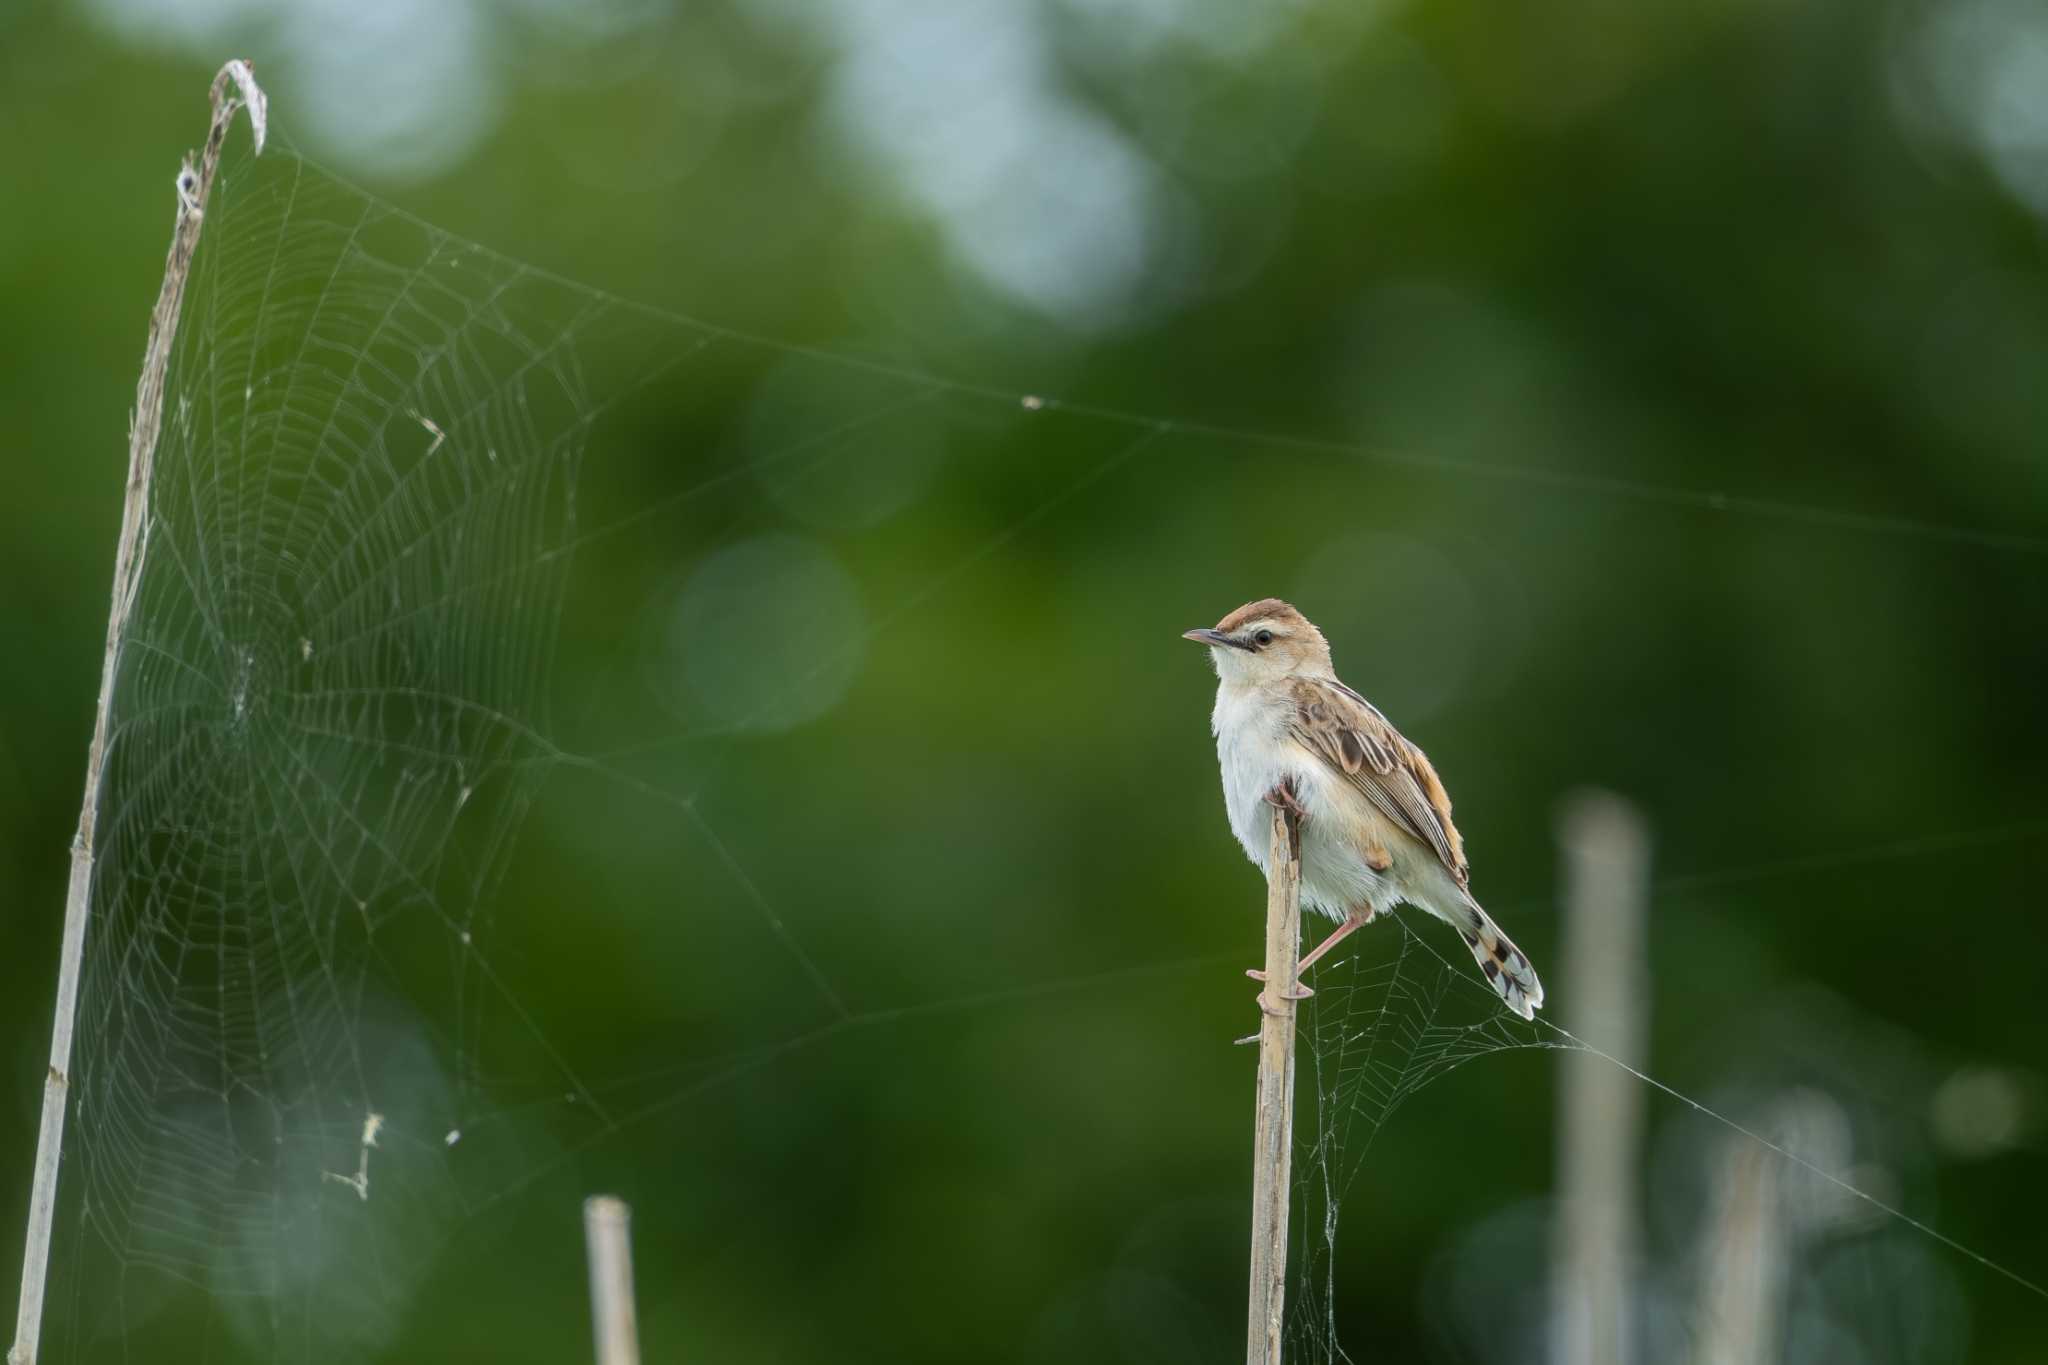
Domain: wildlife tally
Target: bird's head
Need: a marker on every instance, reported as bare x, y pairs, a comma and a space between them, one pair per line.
1264, 641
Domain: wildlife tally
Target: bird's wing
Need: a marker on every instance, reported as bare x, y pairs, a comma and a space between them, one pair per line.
1348, 732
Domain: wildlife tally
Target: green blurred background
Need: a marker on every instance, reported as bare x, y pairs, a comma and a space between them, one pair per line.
1645, 397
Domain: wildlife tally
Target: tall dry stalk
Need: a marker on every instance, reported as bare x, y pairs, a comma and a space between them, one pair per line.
195, 183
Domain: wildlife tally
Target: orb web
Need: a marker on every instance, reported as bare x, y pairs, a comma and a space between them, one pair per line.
300, 1065
329, 720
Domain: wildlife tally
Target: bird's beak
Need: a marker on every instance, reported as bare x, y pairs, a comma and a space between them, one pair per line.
1207, 635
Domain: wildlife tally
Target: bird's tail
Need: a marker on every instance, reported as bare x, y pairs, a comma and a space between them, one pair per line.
1504, 964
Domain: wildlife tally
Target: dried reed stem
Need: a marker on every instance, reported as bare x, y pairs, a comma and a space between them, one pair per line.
1273, 1148
607, 1228
194, 185
1606, 848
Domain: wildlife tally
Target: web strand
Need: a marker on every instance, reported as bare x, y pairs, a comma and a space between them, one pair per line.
1889, 1210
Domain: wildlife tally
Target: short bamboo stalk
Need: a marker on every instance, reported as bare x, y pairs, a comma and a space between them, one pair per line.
1273, 1150
607, 1239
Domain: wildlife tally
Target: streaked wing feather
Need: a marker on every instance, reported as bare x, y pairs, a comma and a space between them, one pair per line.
1348, 732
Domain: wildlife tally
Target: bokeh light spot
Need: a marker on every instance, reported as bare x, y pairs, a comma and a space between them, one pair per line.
838, 449
767, 634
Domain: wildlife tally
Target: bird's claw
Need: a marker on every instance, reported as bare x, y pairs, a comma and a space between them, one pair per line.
1300, 992
1282, 795
1278, 1011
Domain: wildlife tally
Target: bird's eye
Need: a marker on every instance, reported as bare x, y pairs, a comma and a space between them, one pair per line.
1263, 638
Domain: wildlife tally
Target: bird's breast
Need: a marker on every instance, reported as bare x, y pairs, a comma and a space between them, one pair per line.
1251, 752
1256, 752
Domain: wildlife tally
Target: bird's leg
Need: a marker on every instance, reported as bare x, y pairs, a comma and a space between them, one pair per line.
1359, 917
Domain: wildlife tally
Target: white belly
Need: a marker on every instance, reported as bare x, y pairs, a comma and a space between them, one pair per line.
1255, 755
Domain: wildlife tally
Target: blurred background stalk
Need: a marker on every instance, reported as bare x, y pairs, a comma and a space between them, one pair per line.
1604, 845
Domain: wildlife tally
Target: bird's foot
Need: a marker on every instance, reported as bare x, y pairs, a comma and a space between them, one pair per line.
1267, 999
1271, 1007
1282, 795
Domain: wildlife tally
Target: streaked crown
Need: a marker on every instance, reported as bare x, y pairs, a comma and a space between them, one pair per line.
1271, 610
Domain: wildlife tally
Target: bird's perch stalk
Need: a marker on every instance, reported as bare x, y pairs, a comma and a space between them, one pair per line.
234, 88
1273, 1147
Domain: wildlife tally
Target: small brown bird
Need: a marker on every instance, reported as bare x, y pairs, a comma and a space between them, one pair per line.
1376, 825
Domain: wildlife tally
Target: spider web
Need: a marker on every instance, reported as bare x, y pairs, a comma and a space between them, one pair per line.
299, 1064
307, 1048
1384, 1023
329, 723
